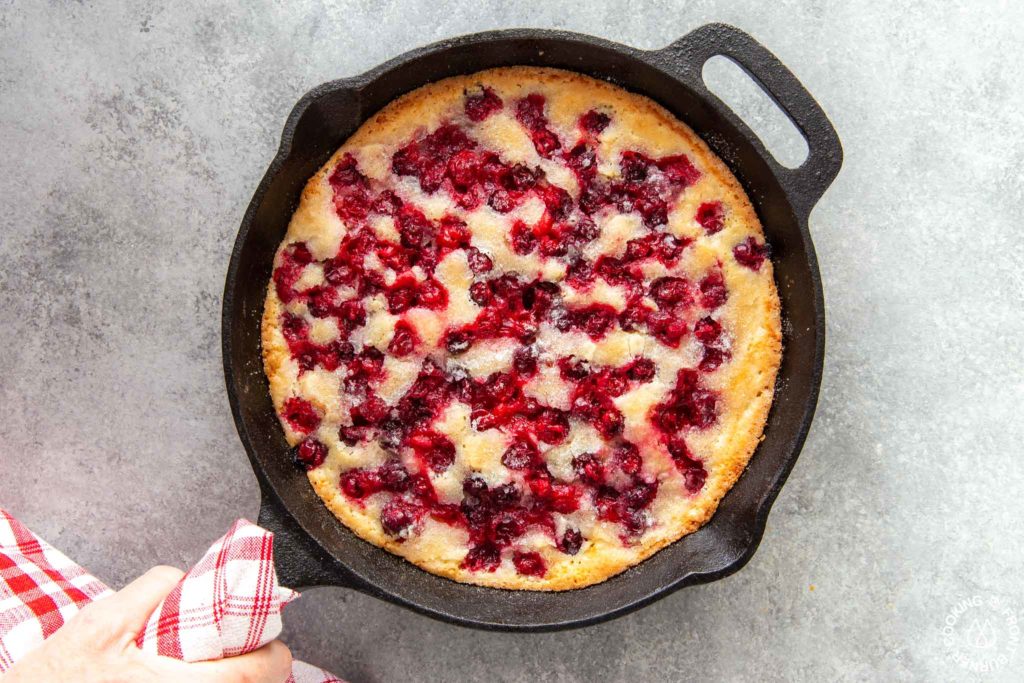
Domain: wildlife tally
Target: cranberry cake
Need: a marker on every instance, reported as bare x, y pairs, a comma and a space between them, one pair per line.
522, 330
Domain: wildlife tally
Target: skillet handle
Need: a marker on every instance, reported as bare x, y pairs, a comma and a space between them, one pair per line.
803, 185
299, 561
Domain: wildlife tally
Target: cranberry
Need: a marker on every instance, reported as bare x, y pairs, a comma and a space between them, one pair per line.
679, 170
293, 328
481, 104
523, 239
580, 274
706, 330
404, 340
589, 468
711, 216
712, 290
446, 141
750, 253
336, 353
354, 434
519, 455
545, 141
353, 205
613, 270
311, 453
586, 406
483, 557
521, 177
692, 469
480, 293
634, 166
582, 159
370, 362
507, 527
634, 317
394, 477
551, 245
402, 295
640, 495
610, 423
370, 412
593, 197
689, 404
306, 355
652, 208
463, 169
322, 302
453, 233
565, 499
474, 487
501, 201
529, 563
293, 261
346, 173
596, 320
407, 160
358, 483
571, 542
627, 456
372, 283
641, 370
712, 359
552, 426
396, 517
432, 294
583, 231
594, 122
669, 291
669, 248
437, 450
524, 361
414, 227
457, 341
301, 415
639, 249
530, 113
573, 369
557, 201
387, 203
479, 262
339, 273
666, 327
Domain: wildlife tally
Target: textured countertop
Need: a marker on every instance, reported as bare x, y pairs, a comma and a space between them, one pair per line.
133, 138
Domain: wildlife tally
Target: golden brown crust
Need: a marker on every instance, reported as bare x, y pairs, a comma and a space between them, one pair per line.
751, 316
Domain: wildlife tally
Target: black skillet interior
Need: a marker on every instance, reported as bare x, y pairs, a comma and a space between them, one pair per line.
311, 546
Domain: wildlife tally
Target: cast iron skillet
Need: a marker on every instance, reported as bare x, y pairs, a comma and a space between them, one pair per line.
312, 547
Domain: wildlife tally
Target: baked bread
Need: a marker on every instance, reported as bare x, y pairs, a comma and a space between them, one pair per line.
522, 329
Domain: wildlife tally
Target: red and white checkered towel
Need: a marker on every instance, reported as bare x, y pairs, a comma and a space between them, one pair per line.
228, 604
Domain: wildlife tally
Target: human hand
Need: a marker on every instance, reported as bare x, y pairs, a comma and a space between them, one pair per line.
97, 645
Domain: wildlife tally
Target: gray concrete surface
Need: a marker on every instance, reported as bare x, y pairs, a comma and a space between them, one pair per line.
132, 137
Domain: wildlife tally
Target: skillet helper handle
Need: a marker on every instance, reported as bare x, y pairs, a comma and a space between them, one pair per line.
803, 185
299, 561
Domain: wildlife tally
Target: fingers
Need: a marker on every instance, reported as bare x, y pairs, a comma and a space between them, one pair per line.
134, 603
272, 663
117, 619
